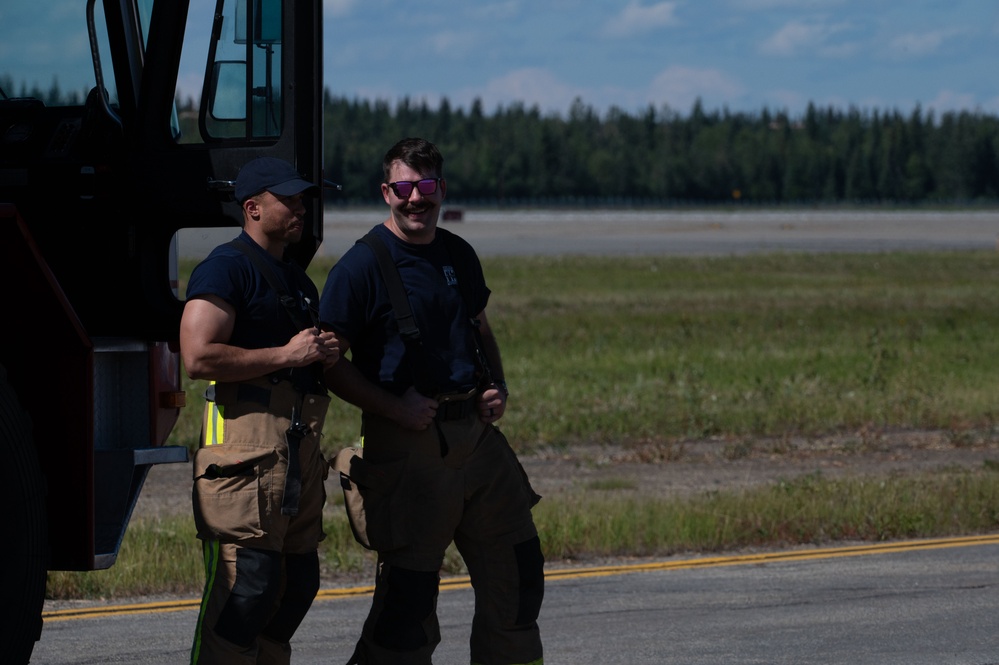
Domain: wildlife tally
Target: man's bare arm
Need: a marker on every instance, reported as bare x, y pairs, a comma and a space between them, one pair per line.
206, 328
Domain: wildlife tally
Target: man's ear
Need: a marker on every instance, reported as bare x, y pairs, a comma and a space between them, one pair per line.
443, 186
251, 208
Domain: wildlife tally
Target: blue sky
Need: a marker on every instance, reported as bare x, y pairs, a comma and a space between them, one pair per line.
745, 55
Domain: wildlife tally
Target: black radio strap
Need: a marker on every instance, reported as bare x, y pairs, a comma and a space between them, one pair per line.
290, 303
298, 430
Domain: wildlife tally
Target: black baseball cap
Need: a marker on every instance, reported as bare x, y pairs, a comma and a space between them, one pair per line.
272, 175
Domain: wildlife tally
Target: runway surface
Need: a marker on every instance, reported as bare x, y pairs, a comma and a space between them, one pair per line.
669, 232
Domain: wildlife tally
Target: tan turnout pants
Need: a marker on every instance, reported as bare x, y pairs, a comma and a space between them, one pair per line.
458, 482
261, 560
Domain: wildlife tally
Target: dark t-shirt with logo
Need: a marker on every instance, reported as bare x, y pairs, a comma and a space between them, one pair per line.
355, 304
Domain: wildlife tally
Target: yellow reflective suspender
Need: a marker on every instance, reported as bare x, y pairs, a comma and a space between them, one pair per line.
214, 420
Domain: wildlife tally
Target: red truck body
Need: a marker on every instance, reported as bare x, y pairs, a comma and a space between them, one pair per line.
94, 189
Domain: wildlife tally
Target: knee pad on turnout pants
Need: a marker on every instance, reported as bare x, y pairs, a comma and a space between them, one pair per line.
301, 584
509, 591
404, 610
252, 598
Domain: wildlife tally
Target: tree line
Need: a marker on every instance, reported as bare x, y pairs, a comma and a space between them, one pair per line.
517, 155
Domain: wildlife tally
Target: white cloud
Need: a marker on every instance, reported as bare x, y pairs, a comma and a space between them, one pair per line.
798, 36
949, 100
791, 37
767, 5
679, 87
916, 45
786, 100
636, 18
453, 43
531, 85
338, 7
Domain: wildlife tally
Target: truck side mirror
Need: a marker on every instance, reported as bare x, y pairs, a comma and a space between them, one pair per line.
266, 22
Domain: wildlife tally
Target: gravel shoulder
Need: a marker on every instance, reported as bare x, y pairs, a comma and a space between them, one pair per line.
684, 469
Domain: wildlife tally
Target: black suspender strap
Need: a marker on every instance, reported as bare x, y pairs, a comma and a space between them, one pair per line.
405, 319
290, 303
397, 292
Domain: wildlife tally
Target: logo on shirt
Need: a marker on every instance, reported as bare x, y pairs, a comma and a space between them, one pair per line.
450, 276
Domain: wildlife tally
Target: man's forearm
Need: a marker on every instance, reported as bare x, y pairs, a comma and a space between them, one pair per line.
350, 385
491, 349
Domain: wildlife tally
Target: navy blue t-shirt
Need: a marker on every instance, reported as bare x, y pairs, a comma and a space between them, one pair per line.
261, 320
355, 304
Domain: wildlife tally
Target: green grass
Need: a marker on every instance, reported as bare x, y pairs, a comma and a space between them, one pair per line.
808, 510
661, 351
163, 556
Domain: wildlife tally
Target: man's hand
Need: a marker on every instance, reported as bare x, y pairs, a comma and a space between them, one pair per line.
332, 348
310, 346
414, 411
492, 404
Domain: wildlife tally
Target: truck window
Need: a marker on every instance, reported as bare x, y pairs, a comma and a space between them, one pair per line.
242, 93
34, 63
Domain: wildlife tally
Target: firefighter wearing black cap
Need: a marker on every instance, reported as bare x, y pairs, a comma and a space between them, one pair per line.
249, 328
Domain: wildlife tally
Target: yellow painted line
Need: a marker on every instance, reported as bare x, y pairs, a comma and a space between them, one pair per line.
573, 573
768, 557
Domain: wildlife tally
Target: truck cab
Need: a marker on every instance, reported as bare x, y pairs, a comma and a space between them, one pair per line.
101, 177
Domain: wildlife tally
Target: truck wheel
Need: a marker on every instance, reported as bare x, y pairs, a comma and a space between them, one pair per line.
23, 556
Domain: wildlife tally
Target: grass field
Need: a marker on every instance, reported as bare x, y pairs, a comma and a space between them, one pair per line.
662, 349
656, 351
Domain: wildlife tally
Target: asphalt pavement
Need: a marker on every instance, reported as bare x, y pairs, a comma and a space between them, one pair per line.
915, 603
630, 232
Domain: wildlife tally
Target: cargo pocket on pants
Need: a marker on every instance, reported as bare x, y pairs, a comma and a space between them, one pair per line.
370, 499
532, 497
227, 492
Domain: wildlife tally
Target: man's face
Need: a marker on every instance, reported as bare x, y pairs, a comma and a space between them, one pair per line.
414, 217
282, 217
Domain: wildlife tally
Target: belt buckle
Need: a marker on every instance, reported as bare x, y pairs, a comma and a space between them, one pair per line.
455, 406
456, 397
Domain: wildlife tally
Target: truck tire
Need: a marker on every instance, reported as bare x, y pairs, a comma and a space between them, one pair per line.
23, 557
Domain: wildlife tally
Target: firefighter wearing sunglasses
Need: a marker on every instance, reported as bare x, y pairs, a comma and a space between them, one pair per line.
445, 471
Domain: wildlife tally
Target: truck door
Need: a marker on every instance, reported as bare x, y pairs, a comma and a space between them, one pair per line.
260, 94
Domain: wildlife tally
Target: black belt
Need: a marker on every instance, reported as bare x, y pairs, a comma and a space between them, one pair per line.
456, 406
303, 378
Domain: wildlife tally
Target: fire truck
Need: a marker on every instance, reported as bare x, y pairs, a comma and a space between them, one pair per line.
97, 184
